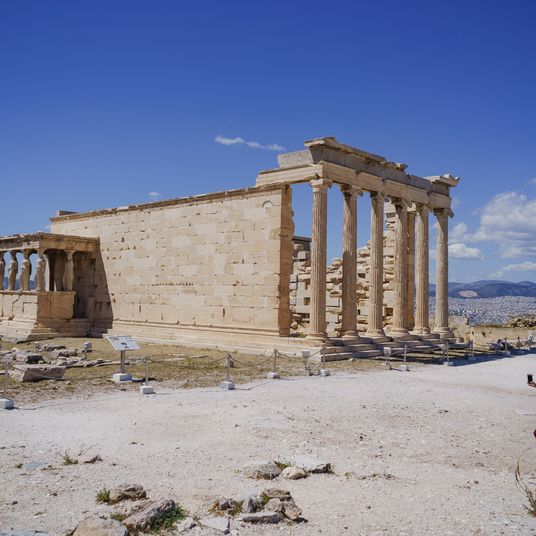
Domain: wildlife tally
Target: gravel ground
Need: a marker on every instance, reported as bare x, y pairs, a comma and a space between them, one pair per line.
427, 452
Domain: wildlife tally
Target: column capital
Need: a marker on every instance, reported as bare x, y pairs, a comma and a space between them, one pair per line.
378, 197
320, 185
422, 208
443, 213
350, 189
400, 202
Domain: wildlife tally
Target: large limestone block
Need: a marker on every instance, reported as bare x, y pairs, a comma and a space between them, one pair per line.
35, 373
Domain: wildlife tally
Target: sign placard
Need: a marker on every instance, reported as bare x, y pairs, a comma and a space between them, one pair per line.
123, 342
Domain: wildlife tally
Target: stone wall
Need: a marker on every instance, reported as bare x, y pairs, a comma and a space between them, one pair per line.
219, 261
301, 275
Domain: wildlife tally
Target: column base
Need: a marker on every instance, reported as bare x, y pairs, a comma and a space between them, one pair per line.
317, 339
350, 334
421, 331
376, 334
443, 332
398, 332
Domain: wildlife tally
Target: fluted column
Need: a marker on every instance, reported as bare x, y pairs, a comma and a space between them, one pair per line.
422, 275
410, 290
349, 261
442, 273
375, 307
401, 269
317, 321
68, 271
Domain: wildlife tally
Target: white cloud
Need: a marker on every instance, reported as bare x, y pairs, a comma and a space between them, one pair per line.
509, 220
154, 195
251, 144
532, 181
461, 251
526, 266
458, 231
229, 141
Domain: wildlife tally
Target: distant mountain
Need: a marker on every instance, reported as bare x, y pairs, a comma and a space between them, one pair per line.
489, 289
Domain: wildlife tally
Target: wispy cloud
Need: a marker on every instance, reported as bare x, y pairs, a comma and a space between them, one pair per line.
154, 195
526, 266
508, 220
532, 181
222, 140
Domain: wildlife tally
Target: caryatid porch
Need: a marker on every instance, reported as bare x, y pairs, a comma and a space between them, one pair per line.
326, 162
58, 302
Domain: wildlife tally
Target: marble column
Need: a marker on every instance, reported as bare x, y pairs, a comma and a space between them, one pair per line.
442, 273
349, 261
422, 275
68, 271
2, 270
401, 269
410, 290
12, 271
317, 320
375, 305
25, 271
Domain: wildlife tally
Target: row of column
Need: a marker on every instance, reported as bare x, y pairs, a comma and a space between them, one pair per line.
411, 270
24, 276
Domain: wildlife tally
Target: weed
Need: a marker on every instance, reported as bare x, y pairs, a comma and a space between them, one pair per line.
169, 519
67, 459
103, 496
282, 465
18, 466
118, 517
530, 494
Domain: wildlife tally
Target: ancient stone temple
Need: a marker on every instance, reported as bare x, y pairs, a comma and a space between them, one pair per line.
225, 270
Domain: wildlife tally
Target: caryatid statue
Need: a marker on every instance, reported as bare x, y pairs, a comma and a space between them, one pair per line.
12, 271
2, 270
25, 271
40, 268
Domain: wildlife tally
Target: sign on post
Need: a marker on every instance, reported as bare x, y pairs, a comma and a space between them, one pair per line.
122, 343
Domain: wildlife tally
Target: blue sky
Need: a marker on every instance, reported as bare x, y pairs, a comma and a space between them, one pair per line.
112, 103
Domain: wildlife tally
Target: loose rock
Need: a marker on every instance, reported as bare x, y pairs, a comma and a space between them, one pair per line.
307, 463
260, 517
96, 526
124, 492
35, 373
221, 524
150, 515
259, 469
293, 473
185, 525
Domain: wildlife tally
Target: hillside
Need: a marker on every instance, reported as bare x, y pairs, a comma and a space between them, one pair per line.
489, 289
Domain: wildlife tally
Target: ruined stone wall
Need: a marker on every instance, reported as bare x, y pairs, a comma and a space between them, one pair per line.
301, 276
215, 262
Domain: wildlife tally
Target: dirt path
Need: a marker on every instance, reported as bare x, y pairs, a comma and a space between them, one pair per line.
427, 452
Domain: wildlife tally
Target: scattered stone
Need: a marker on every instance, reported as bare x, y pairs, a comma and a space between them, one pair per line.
251, 503
150, 515
275, 505
293, 473
260, 517
123, 492
50, 347
223, 504
292, 511
259, 469
96, 526
35, 373
186, 525
274, 493
221, 524
307, 463
31, 358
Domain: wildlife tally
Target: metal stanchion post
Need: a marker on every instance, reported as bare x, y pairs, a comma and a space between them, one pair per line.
227, 384
146, 389
324, 372
5, 402
404, 367
447, 362
274, 375
306, 367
